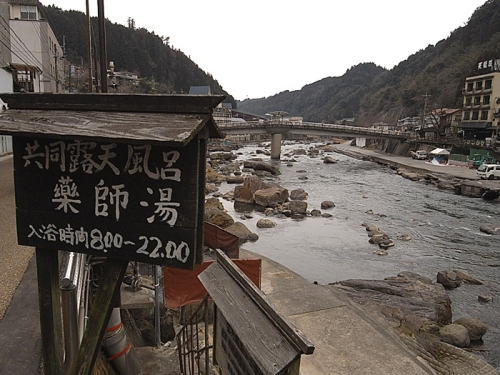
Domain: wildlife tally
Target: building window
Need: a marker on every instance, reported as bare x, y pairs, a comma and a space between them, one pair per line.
475, 115
486, 100
466, 116
28, 12
477, 100
468, 101
484, 115
479, 85
487, 84
470, 86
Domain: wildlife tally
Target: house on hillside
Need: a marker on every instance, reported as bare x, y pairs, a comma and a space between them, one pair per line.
408, 124
481, 103
382, 126
29, 49
442, 123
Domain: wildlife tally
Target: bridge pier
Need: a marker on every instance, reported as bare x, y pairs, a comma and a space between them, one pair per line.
275, 146
360, 142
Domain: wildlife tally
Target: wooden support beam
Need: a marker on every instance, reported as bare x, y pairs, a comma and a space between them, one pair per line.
109, 285
50, 310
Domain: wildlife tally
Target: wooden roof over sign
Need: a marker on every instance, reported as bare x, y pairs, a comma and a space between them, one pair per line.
158, 119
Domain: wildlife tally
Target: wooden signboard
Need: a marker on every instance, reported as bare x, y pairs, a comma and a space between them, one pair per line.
118, 176
250, 336
126, 201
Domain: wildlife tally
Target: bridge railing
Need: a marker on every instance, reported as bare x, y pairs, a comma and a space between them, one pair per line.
316, 125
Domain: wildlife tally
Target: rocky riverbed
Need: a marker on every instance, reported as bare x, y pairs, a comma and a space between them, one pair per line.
415, 304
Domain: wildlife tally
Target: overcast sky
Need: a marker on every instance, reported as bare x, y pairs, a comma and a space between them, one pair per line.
259, 48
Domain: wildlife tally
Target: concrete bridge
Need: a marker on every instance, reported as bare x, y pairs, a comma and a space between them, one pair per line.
277, 128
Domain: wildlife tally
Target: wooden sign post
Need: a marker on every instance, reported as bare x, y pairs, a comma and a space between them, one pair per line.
116, 176
250, 336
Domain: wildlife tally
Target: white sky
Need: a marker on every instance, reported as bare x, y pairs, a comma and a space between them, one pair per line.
259, 48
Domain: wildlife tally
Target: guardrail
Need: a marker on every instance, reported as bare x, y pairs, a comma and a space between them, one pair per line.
318, 126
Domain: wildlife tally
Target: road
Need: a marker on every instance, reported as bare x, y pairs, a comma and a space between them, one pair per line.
20, 344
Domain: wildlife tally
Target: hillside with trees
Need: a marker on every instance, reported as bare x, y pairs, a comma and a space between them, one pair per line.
134, 50
372, 94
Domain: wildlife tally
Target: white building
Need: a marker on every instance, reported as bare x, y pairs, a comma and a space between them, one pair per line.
29, 48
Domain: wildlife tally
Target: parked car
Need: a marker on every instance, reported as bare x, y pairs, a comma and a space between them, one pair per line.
488, 171
419, 154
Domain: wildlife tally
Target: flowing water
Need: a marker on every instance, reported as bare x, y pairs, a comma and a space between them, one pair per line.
444, 230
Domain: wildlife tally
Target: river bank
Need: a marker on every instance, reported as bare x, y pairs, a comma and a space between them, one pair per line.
460, 179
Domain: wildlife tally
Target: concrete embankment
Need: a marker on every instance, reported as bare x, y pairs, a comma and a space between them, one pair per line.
461, 179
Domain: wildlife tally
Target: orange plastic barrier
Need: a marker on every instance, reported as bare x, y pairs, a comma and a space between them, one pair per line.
217, 238
183, 286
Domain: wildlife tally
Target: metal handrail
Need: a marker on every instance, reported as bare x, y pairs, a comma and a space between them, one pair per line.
195, 354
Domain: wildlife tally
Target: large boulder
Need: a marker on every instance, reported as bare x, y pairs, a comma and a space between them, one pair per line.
213, 203
253, 183
455, 334
449, 279
271, 196
475, 327
222, 156
296, 207
261, 166
407, 300
243, 195
240, 230
298, 194
216, 214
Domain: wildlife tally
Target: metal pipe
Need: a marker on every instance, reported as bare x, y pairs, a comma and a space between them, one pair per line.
70, 293
118, 348
157, 307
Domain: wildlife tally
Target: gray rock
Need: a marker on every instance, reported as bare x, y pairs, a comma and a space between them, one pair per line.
315, 213
298, 194
253, 237
475, 327
448, 279
243, 195
266, 223
490, 229
327, 204
240, 230
253, 183
485, 298
455, 334
406, 301
265, 197
385, 244
210, 188
329, 160
296, 207
466, 279
404, 237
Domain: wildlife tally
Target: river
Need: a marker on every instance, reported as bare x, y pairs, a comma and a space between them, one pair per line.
444, 230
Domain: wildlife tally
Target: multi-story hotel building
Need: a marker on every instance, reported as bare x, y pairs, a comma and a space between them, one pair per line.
481, 105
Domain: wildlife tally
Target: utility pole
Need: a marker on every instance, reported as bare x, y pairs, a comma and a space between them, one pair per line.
425, 108
89, 48
102, 46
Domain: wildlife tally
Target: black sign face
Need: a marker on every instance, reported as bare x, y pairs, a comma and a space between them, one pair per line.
129, 201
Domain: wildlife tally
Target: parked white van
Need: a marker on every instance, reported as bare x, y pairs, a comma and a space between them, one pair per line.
488, 171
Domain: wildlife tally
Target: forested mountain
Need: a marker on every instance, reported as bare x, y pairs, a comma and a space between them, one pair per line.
133, 50
375, 94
